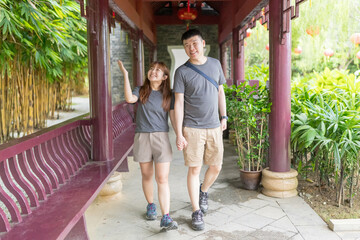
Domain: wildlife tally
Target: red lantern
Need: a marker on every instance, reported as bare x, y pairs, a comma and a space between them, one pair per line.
248, 32
298, 50
313, 31
267, 47
358, 55
355, 38
187, 14
245, 44
328, 52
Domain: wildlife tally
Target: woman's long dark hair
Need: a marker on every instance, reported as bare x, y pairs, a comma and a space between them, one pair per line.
145, 89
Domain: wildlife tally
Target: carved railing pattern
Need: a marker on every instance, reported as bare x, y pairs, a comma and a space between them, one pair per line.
33, 167
121, 119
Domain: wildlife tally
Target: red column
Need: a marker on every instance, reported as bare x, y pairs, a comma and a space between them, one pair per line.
100, 85
280, 93
140, 62
138, 70
239, 60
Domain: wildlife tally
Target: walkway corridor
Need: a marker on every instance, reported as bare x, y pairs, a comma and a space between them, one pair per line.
234, 213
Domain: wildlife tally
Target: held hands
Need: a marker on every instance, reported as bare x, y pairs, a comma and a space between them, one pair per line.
181, 143
122, 68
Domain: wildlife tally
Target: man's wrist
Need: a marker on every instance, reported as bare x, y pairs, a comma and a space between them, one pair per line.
224, 117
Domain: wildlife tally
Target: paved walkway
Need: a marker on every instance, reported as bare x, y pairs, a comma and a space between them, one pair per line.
234, 213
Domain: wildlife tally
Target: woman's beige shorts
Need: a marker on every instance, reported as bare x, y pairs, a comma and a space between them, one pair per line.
152, 146
205, 146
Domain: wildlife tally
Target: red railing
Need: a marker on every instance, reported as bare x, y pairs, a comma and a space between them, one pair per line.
34, 166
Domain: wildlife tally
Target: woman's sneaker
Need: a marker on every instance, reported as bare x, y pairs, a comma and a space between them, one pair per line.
151, 211
197, 222
167, 223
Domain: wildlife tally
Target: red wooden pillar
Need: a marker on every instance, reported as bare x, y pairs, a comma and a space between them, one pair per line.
138, 70
279, 180
100, 85
239, 58
280, 88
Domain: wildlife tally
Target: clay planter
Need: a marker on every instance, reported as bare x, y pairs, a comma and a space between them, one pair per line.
250, 180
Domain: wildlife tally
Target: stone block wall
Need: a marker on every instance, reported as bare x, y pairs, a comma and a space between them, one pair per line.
120, 48
171, 35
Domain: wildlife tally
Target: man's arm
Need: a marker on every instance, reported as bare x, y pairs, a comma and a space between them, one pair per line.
222, 107
181, 142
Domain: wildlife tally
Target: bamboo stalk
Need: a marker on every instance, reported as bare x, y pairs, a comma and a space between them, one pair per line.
261, 130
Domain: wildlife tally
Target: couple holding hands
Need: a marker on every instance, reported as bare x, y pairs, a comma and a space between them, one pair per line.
197, 111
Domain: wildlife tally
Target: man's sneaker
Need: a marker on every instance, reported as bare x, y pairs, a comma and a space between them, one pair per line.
167, 223
151, 211
203, 201
197, 222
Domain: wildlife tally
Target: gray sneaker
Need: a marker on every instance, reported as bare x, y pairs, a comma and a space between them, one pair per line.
203, 201
197, 222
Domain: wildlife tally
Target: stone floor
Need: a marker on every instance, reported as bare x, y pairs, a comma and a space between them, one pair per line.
234, 213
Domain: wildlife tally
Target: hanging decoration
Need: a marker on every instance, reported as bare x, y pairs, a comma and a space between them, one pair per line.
187, 14
355, 38
313, 31
267, 47
248, 32
298, 50
328, 52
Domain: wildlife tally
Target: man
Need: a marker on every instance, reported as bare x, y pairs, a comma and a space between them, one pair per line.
198, 128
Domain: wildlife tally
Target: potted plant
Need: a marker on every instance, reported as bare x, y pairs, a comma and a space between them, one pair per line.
248, 110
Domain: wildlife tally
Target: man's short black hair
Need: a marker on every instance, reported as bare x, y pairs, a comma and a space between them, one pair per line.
191, 33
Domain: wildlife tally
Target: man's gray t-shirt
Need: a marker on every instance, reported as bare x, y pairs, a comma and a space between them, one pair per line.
151, 117
200, 96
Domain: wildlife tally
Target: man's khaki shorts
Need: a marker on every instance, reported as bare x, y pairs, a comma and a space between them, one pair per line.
152, 147
205, 146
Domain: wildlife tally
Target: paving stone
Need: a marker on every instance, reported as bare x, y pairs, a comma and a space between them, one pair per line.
271, 233
229, 231
297, 237
255, 203
235, 210
254, 220
271, 212
302, 214
284, 223
172, 234
217, 218
317, 232
349, 235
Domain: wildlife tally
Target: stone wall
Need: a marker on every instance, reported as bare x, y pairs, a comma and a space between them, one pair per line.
171, 35
120, 48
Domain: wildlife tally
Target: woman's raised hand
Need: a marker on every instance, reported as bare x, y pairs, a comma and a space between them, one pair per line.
122, 68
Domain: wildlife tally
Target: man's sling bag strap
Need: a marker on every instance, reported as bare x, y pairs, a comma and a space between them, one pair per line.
188, 64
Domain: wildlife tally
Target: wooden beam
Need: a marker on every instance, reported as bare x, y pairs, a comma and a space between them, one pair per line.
173, 20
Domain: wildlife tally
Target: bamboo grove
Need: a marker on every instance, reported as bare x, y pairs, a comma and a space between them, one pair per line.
43, 55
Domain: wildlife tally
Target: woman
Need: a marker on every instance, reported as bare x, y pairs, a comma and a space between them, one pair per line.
151, 143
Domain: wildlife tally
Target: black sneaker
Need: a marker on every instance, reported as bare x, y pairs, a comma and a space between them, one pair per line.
197, 222
203, 201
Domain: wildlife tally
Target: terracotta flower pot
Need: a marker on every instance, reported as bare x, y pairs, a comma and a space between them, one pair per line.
250, 180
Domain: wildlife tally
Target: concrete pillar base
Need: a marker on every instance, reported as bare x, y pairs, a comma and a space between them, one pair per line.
113, 186
279, 184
